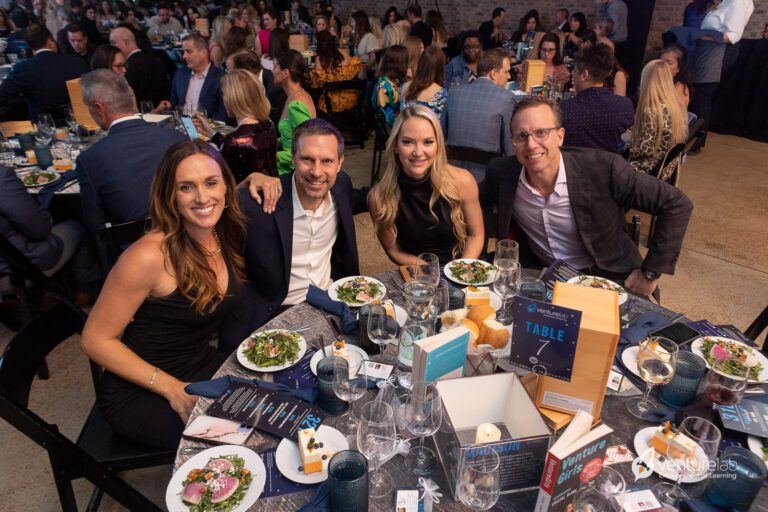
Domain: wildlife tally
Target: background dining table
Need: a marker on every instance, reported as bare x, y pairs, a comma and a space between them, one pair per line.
614, 414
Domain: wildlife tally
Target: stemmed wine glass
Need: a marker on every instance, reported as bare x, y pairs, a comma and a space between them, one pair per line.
440, 302
507, 250
656, 361
706, 437
478, 486
350, 383
423, 415
45, 129
72, 123
725, 383
506, 284
382, 328
376, 439
427, 269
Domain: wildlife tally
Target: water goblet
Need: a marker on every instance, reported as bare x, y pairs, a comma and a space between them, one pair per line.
350, 386
506, 284
478, 486
507, 250
423, 415
656, 361
382, 329
376, 439
427, 269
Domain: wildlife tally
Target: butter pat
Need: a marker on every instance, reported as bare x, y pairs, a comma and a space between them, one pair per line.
487, 433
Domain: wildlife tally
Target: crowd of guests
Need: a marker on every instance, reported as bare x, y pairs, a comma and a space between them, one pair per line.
244, 224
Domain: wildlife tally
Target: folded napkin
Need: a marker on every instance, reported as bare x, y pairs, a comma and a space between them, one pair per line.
320, 299
46, 193
320, 501
214, 388
641, 327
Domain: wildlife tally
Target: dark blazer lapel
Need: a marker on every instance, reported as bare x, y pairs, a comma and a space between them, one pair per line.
284, 221
183, 85
207, 84
580, 196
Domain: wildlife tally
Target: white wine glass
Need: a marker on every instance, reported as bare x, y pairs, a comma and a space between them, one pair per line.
350, 383
423, 416
506, 285
376, 439
507, 250
427, 269
656, 361
478, 486
45, 129
382, 329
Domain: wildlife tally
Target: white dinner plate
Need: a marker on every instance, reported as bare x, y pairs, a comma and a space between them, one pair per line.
319, 355
268, 369
53, 169
756, 446
629, 359
54, 180
449, 275
334, 295
495, 299
696, 349
288, 459
588, 280
656, 460
253, 463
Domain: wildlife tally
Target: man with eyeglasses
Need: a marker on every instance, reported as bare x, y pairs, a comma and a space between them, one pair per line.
570, 204
476, 115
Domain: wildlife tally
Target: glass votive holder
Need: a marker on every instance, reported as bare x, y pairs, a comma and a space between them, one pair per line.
348, 482
327, 399
689, 371
736, 480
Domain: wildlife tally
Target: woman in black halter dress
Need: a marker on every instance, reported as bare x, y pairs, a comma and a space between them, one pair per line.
167, 322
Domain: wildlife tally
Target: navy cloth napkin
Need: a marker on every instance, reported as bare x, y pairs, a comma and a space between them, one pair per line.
46, 193
214, 388
689, 505
320, 299
641, 327
320, 501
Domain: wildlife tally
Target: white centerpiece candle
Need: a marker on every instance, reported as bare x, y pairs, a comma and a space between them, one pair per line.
487, 433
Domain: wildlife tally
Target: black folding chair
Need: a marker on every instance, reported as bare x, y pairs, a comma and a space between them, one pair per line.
352, 122
381, 134
674, 157
757, 326
99, 453
120, 236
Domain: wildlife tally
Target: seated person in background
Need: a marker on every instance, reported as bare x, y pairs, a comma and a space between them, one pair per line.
462, 69
320, 25
661, 120
418, 27
391, 74
115, 174
529, 25
595, 117
299, 107
310, 238
415, 48
30, 228
198, 84
426, 88
422, 203
617, 80
364, 39
491, 32
42, 79
221, 25
166, 296
570, 204
561, 21
144, 72
333, 66
439, 33
676, 57
476, 115
279, 42
78, 44
577, 27
235, 40
163, 24
252, 147
587, 39
249, 61
549, 52
603, 31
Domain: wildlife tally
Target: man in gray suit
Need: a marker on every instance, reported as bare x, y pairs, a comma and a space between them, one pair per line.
476, 117
571, 204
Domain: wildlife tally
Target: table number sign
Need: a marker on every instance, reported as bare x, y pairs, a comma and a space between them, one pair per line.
544, 338
271, 411
749, 416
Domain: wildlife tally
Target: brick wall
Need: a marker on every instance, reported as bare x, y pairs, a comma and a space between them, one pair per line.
463, 14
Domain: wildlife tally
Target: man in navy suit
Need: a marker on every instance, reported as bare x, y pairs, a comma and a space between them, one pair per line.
477, 114
42, 79
144, 72
199, 82
309, 239
116, 173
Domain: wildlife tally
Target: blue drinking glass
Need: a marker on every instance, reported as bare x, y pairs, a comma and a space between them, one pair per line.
689, 371
327, 399
737, 479
348, 481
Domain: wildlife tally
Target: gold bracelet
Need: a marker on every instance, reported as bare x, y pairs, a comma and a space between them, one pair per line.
154, 376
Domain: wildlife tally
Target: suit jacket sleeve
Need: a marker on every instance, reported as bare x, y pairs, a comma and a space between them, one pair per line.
22, 209
174, 93
506, 115
671, 207
9, 89
221, 111
93, 209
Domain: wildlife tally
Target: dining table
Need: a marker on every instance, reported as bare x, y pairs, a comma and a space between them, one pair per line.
314, 324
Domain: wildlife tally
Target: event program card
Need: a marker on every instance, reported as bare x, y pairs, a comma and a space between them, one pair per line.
544, 338
271, 411
750, 416
557, 271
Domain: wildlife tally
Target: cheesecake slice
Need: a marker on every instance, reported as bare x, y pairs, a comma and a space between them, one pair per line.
669, 443
339, 349
477, 296
312, 451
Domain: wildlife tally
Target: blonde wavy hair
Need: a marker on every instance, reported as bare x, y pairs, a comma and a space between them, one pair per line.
221, 26
387, 190
244, 95
657, 89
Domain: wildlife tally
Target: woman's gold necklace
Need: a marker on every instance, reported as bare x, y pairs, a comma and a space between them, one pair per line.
217, 251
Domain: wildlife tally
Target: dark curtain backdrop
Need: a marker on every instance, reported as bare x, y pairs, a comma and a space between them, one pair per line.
740, 105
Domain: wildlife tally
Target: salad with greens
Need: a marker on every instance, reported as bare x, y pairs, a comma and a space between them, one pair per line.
739, 356
471, 272
39, 178
220, 485
765, 449
358, 290
272, 348
599, 282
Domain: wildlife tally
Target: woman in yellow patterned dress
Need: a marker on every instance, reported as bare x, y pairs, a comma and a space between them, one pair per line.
334, 66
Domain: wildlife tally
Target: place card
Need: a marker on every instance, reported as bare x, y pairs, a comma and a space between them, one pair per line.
544, 338
750, 416
271, 411
378, 371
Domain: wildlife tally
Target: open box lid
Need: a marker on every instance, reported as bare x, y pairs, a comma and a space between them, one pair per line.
497, 398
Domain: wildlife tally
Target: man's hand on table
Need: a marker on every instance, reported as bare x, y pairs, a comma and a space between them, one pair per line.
638, 284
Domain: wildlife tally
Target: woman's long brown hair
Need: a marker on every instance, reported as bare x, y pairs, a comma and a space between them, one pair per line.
195, 278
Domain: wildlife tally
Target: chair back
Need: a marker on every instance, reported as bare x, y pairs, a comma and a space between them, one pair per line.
673, 158
468, 154
351, 122
120, 236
